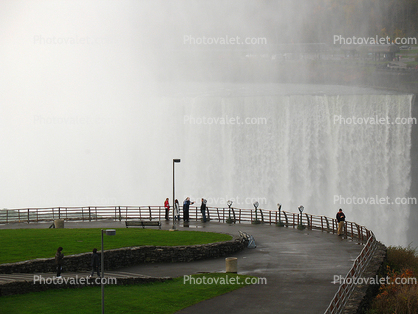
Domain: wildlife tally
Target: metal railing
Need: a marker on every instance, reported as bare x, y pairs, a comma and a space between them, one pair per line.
219, 214
341, 297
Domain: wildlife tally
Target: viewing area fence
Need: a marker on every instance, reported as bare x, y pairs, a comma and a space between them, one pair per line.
231, 215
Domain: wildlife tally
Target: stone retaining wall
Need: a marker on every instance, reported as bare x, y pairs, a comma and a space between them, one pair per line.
363, 295
130, 256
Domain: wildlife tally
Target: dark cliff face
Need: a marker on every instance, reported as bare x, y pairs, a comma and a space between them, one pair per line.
412, 232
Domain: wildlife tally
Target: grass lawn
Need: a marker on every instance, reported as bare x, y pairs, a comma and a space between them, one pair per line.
166, 297
25, 244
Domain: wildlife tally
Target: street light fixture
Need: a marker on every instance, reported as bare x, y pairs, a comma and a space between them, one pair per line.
174, 196
109, 232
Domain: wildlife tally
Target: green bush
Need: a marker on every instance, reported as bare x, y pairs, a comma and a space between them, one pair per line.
401, 258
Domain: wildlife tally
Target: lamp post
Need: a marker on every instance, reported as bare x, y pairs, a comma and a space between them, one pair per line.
109, 232
280, 224
300, 226
256, 204
229, 220
174, 196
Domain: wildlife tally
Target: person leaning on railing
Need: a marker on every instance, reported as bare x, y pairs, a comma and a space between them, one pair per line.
340, 219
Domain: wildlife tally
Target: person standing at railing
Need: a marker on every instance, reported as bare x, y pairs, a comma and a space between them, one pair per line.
203, 209
167, 208
186, 205
176, 210
340, 220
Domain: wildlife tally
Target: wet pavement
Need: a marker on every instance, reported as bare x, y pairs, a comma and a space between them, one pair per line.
297, 266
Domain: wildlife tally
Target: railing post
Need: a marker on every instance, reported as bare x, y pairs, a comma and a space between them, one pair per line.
309, 222
285, 217
327, 222
28, 215
89, 214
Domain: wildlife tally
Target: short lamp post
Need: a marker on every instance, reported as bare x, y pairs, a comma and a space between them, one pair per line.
174, 194
256, 221
229, 220
109, 232
280, 224
301, 226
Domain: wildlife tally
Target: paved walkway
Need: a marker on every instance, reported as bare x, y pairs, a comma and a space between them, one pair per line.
299, 267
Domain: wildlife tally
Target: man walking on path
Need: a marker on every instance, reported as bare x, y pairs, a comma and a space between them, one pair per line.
340, 219
58, 260
95, 263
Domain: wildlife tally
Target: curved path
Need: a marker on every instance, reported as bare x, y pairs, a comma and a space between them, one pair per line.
299, 267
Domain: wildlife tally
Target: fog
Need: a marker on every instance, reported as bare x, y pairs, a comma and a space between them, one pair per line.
81, 118
94, 97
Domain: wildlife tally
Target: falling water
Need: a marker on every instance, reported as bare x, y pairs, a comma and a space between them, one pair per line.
322, 150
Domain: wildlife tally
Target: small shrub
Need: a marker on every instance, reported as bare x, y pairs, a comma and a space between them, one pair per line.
400, 258
394, 297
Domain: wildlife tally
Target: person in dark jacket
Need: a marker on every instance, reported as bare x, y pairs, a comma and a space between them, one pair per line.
203, 209
58, 261
186, 205
95, 263
340, 219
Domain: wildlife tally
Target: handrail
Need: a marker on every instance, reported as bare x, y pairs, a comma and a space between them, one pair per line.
123, 213
314, 222
341, 297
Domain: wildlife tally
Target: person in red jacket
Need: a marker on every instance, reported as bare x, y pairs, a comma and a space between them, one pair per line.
167, 208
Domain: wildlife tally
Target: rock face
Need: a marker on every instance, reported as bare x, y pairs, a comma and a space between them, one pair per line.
130, 256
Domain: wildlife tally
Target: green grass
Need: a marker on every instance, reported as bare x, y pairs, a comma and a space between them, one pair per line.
166, 297
25, 244
412, 63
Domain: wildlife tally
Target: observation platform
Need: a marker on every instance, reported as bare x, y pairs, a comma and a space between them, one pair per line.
299, 266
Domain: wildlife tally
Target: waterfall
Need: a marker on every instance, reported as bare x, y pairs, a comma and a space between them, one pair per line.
324, 151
